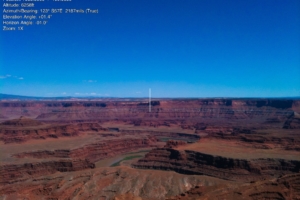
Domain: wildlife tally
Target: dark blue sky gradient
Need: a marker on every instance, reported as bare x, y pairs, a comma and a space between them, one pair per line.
192, 48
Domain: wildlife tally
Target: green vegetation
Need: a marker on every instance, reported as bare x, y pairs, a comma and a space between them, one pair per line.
126, 158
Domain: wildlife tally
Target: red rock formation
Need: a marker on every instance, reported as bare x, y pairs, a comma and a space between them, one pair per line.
192, 162
13, 173
21, 122
105, 183
188, 109
259, 141
12, 134
174, 143
95, 151
240, 123
186, 136
293, 122
286, 187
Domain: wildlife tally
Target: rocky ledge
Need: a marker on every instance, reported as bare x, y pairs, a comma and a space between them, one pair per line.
95, 151
197, 163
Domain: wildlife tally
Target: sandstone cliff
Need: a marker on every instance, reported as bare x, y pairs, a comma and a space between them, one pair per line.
9, 133
192, 162
12, 173
95, 151
249, 109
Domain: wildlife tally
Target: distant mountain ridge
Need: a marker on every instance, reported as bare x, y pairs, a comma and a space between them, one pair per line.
21, 97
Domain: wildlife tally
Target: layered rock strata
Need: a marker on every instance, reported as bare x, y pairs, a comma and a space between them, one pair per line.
177, 109
192, 162
11, 134
95, 151
13, 173
293, 122
260, 141
106, 184
186, 136
74, 159
283, 188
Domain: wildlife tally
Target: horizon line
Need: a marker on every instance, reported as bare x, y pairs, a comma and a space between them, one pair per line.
2, 96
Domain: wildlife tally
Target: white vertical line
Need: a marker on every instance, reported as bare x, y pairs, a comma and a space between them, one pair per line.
149, 99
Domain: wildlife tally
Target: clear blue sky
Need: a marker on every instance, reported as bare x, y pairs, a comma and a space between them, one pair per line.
178, 48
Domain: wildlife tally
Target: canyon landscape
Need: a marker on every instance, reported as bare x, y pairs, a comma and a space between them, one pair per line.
150, 100
119, 149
